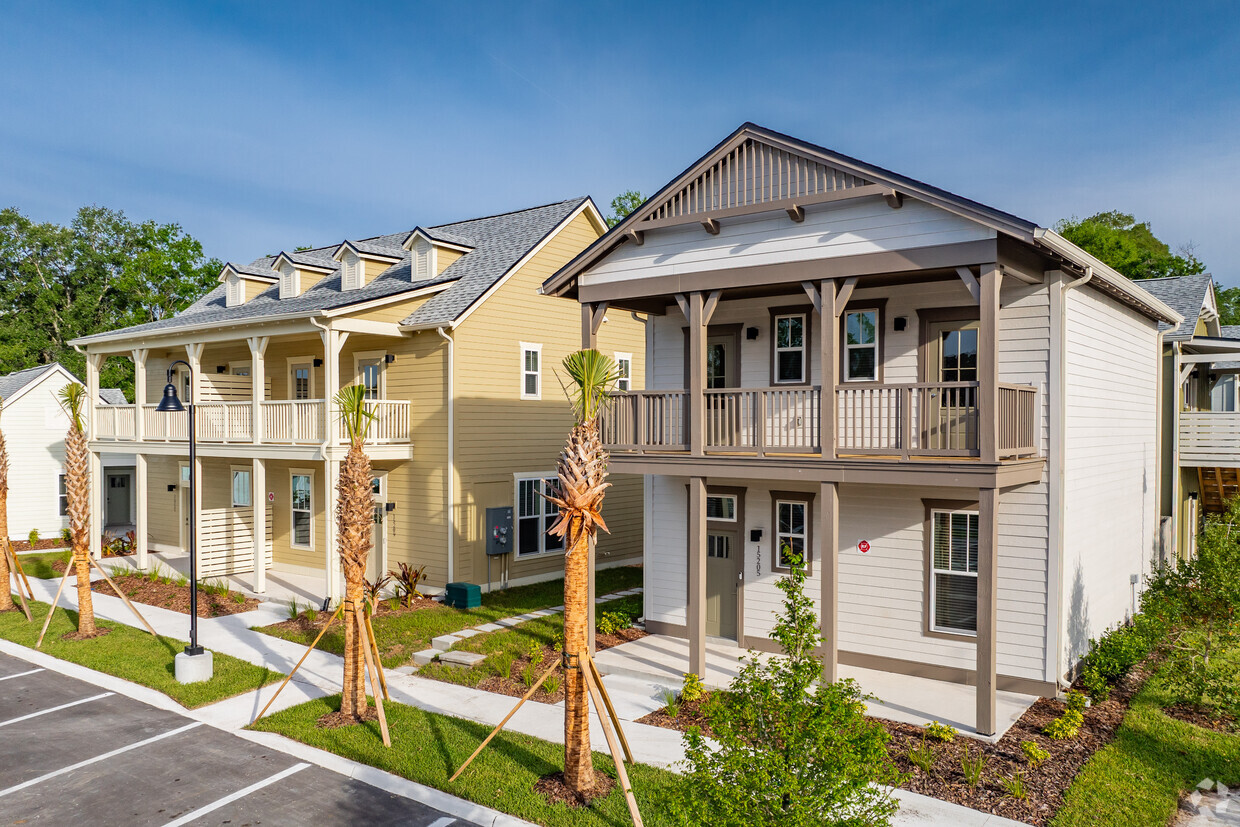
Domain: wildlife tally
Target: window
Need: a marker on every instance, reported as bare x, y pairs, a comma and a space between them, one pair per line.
64, 496
369, 369
958, 349
953, 571
241, 491
535, 515
624, 366
185, 474
239, 368
531, 371
790, 345
301, 378
1223, 394
303, 536
861, 346
721, 507
791, 537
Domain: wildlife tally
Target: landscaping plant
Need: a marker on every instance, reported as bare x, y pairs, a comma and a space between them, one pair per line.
692, 688
1034, 754
791, 750
6, 595
972, 767
405, 579
922, 756
940, 732
578, 494
32, 539
77, 495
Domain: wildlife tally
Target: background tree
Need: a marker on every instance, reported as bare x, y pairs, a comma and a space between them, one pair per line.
100, 272
77, 496
582, 482
6, 596
354, 519
1130, 247
623, 204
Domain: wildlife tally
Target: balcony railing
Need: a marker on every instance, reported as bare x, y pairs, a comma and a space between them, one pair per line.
1210, 439
287, 421
898, 421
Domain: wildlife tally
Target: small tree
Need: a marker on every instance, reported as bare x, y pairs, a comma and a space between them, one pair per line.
791, 752
77, 495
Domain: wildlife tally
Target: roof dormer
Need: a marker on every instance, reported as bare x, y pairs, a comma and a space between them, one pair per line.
242, 284
299, 272
362, 261
432, 252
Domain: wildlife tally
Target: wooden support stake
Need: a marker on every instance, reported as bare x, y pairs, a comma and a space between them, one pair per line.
21, 598
500, 726
372, 671
48, 622
18, 567
121, 595
621, 773
611, 710
309, 649
379, 663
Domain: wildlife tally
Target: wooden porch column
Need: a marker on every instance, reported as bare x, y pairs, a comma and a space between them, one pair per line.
193, 355
829, 578
987, 618
139, 392
592, 316
94, 361
830, 367
258, 384
696, 620
140, 495
697, 374
258, 483
332, 549
988, 362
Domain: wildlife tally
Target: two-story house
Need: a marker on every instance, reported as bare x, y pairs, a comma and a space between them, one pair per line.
458, 353
947, 412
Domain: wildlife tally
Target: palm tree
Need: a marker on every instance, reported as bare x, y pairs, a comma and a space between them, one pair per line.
77, 490
354, 520
582, 473
6, 596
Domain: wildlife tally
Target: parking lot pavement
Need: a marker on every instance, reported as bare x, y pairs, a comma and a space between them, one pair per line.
76, 754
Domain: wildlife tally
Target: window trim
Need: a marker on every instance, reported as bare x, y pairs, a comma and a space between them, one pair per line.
807, 341
879, 306
629, 358
232, 489
293, 362
720, 493
931, 506
523, 348
292, 531
525, 476
379, 356
806, 498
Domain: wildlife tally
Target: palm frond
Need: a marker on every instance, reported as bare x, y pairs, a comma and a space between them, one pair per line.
357, 418
72, 398
593, 375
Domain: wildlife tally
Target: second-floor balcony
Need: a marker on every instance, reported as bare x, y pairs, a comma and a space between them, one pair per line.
280, 422
896, 421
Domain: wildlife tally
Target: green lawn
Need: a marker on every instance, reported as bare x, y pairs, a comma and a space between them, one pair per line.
1137, 779
40, 565
427, 748
507, 645
401, 634
134, 655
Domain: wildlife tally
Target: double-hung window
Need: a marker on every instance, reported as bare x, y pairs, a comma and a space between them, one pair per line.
953, 569
241, 492
534, 515
790, 346
63, 496
792, 518
624, 371
861, 346
303, 510
531, 371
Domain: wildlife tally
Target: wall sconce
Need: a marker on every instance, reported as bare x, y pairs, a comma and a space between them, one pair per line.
389, 507
901, 322
172, 487
755, 535
318, 363
221, 368
389, 358
751, 333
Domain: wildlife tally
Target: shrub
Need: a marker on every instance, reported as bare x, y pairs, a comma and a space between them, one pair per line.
311, 614
1015, 786
1034, 754
973, 767
1066, 726
610, 623
791, 749
671, 705
33, 537
534, 652
238, 598
940, 732
557, 640
501, 664
293, 609
552, 684
1095, 686
373, 590
692, 688
66, 536
529, 674
922, 756
406, 579
1076, 701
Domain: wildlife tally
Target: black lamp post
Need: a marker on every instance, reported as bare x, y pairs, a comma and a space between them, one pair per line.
170, 403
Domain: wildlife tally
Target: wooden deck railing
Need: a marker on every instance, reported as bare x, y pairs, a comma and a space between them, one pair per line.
1018, 421
1210, 439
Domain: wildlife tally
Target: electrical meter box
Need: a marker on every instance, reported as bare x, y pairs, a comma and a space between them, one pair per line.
500, 539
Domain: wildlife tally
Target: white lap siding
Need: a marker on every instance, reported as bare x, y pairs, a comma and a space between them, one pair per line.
666, 555
1110, 514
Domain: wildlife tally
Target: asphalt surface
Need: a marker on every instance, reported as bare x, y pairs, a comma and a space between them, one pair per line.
74, 754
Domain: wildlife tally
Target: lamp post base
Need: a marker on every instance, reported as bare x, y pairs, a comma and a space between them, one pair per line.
193, 668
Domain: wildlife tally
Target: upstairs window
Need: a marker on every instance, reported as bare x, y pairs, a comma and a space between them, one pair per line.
534, 515
531, 371
861, 346
790, 346
624, 367
953, 567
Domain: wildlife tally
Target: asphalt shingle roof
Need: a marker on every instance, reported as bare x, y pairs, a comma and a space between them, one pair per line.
498, 241
1185, 295
113, 396
14, 382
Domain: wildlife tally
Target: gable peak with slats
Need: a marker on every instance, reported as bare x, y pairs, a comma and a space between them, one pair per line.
751, 173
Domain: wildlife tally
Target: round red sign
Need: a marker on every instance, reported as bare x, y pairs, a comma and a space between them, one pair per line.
863, 547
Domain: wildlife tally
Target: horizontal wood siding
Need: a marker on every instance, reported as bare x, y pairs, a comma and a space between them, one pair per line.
226, 541
34, 432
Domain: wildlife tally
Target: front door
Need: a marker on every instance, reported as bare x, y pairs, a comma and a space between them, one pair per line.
722, 548
118, 500
723, 415
951, 412
376, 563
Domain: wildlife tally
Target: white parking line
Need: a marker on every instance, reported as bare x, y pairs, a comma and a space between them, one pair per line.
20, 675
442, 822
242, 793
103, 757
18, 720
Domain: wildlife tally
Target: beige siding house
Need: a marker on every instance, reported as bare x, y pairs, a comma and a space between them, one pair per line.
446, 329
948, 412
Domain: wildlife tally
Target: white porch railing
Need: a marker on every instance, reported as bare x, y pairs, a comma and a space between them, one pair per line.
224, 422
391, 423
296, 421
115, 421
1210, 439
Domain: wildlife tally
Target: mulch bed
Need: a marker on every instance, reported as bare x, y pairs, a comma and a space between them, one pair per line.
556, 791
100, 631
688, 714
47, 544
175, 598
1216, 723
337, 719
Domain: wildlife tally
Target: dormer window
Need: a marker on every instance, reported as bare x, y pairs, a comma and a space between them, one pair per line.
234, 291
423, 259
351, 272
290, 281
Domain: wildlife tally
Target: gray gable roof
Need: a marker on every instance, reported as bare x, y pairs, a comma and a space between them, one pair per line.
499, 242
14, 382
1185, 294
1230, 331
113, 396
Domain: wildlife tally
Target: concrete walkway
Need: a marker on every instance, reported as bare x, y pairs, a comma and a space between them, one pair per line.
322, 672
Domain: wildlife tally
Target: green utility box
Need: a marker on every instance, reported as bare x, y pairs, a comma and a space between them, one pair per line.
463, 595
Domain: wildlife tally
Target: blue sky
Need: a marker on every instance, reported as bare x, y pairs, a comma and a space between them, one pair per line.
268, 125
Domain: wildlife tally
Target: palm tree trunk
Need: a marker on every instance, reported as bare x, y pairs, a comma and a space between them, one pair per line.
578, 763
77, 490
355, 517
